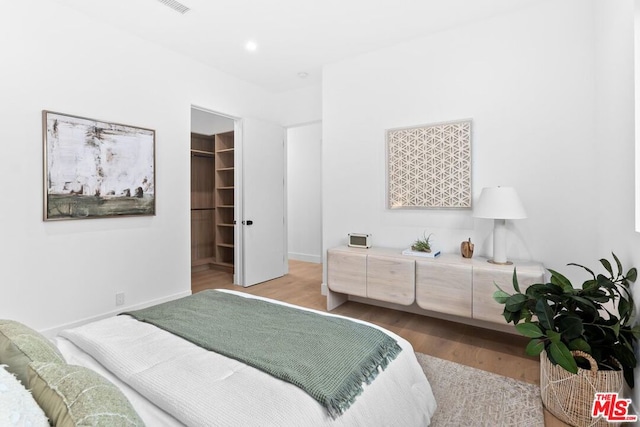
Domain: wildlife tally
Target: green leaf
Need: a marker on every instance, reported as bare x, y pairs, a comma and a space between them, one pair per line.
582, 266
571, 327
516, 316
500, 296
624, 308
563, 357
590, 285
553, 336
632, 275
607, 265
536, 290
508, 316
559, 280
554, 289
580, 344
515, 281
618, 264
605, 282
628, 360
627, 342
515, 302
615, 328
589, 309
530, 330
545, 314
535, 347
582, 300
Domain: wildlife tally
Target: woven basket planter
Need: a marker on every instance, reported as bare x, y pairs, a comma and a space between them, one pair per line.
569, 396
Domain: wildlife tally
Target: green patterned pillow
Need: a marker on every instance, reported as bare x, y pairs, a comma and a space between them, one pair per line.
77, 396
21, 345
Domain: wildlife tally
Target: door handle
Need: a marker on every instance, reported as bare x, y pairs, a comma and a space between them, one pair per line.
248, 222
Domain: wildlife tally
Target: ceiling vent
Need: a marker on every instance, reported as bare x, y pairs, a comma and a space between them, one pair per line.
177, 6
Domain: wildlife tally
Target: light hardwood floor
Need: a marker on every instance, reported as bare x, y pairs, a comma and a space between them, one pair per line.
492, 351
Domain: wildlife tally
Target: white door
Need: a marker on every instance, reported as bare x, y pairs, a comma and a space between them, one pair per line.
262, 216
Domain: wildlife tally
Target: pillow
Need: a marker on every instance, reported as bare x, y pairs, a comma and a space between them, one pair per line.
77, 396
21, 345
17, 407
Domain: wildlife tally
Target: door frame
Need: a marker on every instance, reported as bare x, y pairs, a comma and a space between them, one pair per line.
238, 212
238, 260
238, 176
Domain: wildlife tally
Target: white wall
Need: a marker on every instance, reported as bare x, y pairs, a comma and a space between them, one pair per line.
304, 192
550, 90
526, 79
53, 58
616, 139
616, 131
300, 106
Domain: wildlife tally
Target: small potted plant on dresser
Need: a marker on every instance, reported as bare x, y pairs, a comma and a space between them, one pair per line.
584, 338
422, 244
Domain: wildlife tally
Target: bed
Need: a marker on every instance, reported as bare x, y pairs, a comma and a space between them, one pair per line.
172, 382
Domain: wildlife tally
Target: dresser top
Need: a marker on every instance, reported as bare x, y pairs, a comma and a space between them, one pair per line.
444, 258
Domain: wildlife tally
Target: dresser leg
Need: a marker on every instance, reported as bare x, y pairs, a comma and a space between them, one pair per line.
335, 299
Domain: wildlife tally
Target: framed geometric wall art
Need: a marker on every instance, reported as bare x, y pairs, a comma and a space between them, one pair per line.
96, 169
429, 166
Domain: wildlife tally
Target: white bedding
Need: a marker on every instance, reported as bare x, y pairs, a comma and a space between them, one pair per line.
203, 388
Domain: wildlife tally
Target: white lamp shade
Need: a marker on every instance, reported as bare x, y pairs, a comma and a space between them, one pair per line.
499, 203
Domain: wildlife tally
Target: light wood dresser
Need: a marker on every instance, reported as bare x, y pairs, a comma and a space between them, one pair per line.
459, 288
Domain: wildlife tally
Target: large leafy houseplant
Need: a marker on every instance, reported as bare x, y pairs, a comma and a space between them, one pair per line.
596, 319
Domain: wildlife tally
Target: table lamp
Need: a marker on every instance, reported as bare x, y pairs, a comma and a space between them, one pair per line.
499, 204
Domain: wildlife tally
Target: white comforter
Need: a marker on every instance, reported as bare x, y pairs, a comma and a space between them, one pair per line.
203, 388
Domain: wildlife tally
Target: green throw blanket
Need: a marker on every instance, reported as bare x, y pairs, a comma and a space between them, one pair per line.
329, 358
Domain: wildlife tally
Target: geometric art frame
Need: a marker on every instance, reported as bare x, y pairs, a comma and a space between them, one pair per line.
96, 169
429, 166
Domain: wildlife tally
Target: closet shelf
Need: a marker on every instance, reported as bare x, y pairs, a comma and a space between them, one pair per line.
224, 198
202, 153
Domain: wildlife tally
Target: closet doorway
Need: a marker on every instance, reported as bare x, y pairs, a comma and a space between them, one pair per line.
237, 197
213, 190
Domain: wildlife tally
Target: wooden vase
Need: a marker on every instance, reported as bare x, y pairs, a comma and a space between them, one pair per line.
466, 248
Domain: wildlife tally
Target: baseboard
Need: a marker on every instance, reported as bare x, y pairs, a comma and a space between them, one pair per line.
51, 332
316, 259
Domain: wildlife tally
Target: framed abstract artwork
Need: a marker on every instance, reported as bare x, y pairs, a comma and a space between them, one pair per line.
429, 166
96, 169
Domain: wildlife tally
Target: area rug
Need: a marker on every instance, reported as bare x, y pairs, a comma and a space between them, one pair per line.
471, 397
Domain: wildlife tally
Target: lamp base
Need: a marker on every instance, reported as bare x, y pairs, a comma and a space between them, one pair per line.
499, 263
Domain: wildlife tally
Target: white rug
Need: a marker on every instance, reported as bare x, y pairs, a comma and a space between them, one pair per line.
471, 397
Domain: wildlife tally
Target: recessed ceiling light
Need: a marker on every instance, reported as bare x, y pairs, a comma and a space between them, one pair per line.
251, 46
303, 74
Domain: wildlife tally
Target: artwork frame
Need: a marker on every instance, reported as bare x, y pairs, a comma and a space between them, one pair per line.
96, 169
429, 166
